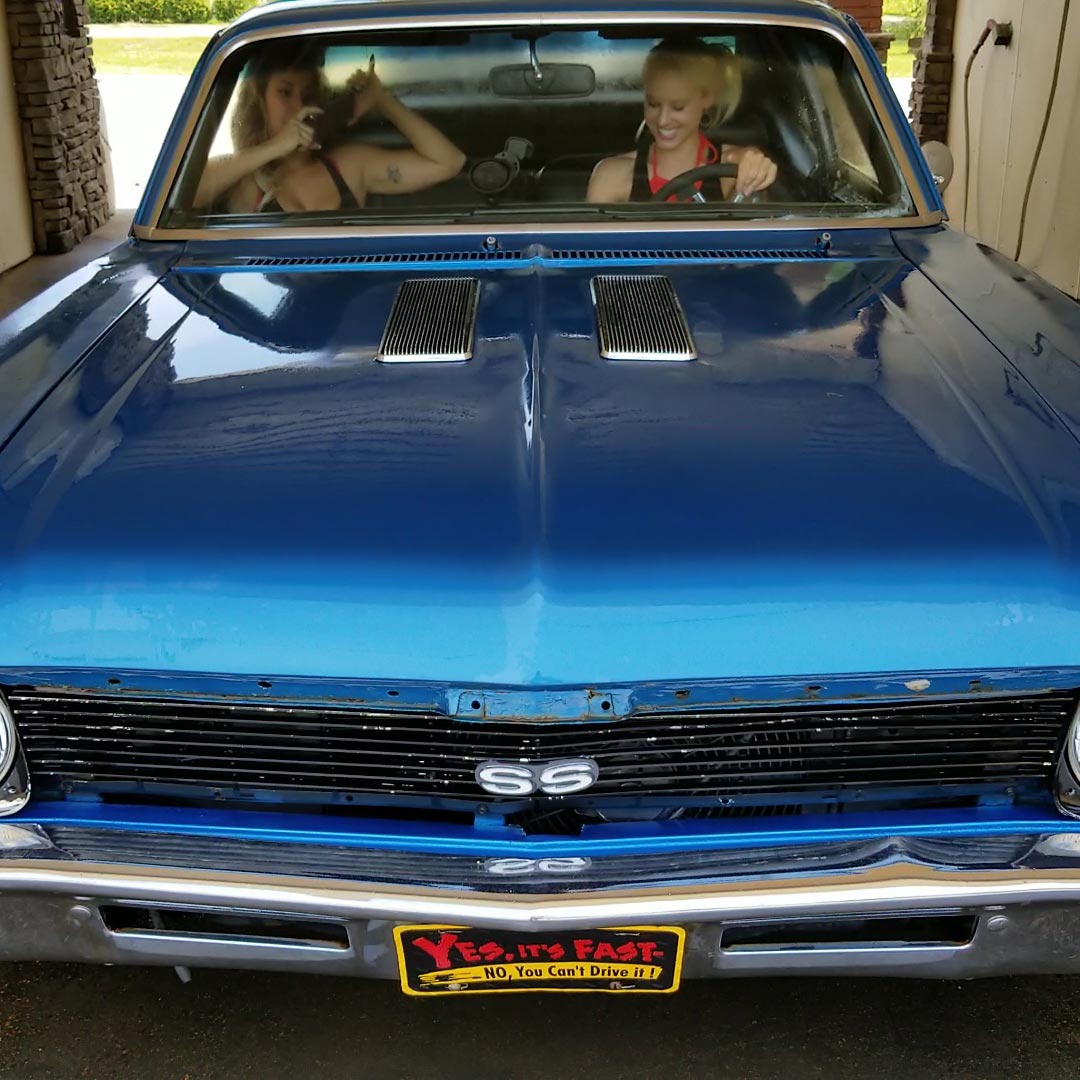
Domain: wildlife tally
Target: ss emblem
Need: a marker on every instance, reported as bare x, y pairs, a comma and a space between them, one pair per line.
510, 866
564, 777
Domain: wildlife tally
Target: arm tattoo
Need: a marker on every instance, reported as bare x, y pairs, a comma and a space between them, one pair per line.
394, 174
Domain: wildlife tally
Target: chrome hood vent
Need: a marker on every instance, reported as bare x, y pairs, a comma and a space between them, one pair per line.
432, 321
638, 317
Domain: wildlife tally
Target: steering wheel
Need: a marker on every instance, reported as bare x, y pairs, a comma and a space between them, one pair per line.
679, 184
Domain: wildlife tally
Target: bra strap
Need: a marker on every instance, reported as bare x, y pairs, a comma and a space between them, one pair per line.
348, 199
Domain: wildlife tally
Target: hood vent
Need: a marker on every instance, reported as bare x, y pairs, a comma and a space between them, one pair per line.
431, 322
638, 317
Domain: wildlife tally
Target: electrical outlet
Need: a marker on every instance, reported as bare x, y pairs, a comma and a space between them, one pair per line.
1003, 33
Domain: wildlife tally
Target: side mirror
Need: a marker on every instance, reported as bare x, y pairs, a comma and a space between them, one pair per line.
939, 158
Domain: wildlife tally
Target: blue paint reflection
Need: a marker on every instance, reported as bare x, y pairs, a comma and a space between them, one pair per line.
230, 474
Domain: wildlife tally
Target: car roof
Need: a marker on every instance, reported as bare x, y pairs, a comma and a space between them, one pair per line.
280, 13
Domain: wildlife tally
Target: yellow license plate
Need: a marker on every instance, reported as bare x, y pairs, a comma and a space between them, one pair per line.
458, 960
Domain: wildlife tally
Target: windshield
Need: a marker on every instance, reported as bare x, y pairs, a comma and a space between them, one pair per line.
518, 125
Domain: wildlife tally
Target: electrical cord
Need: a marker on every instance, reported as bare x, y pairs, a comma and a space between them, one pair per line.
1042, 133
991, 25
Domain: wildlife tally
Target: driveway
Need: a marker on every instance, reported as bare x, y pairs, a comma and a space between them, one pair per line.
138, 110
143, 1024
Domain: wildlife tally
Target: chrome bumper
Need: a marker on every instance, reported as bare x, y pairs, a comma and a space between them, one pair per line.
1020, 894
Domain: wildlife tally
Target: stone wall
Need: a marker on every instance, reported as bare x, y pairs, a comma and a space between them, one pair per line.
60, 115
931, 90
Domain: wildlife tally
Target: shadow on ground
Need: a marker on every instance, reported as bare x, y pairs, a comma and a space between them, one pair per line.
66, 1021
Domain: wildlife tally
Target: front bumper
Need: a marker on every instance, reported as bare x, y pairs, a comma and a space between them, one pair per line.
1019, 894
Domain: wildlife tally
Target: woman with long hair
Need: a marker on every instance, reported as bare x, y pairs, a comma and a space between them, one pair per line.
278, 163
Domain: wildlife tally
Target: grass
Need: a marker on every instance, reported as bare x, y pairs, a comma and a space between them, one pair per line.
147, 56
901, 60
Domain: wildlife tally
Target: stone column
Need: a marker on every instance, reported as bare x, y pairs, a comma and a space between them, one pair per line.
931, 89
60, 115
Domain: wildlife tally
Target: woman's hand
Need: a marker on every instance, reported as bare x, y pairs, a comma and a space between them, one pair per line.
368, 92
756, 171
297, 134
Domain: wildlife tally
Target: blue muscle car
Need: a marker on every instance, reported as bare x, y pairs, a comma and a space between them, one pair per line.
542, 501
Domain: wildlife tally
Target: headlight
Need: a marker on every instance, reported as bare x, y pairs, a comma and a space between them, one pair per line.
1073, 747
1067, 786
7, 739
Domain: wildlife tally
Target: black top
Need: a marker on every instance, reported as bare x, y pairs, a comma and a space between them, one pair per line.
348, 199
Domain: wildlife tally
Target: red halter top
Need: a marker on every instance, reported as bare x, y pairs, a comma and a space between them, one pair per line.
706, 155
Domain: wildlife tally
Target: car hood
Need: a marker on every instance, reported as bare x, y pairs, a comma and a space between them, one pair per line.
849, 478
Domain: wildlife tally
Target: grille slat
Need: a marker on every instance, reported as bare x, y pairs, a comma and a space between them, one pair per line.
130, 743
431, 321
638, 317
123, 744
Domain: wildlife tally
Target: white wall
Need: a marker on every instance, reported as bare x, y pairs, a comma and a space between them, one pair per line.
16, 231
1009, 90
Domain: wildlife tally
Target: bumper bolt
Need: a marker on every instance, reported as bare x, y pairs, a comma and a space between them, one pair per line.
998, 922
80, 915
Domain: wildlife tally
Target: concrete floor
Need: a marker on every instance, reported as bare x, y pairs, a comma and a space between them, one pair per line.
25, 281
61, 1022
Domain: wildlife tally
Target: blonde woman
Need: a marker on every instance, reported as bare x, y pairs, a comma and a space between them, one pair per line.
278, 163
689, 85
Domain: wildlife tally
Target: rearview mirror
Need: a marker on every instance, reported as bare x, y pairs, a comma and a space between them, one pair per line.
543, 80
939, 158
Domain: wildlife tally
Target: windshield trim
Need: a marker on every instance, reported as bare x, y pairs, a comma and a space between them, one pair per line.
925, 214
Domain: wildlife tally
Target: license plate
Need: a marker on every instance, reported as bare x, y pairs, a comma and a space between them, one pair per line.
456, 959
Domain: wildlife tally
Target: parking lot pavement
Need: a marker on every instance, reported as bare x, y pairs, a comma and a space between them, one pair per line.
66, 1021
138, 111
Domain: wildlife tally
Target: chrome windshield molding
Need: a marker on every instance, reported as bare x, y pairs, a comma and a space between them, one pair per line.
334, 232
496, 20
897, 887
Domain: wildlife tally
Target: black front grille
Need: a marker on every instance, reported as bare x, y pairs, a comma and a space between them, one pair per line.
125, 743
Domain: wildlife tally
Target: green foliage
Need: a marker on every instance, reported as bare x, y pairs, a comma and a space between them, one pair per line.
186, 11
167, 11
905, 18
227, 10
907, 9
106, 11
